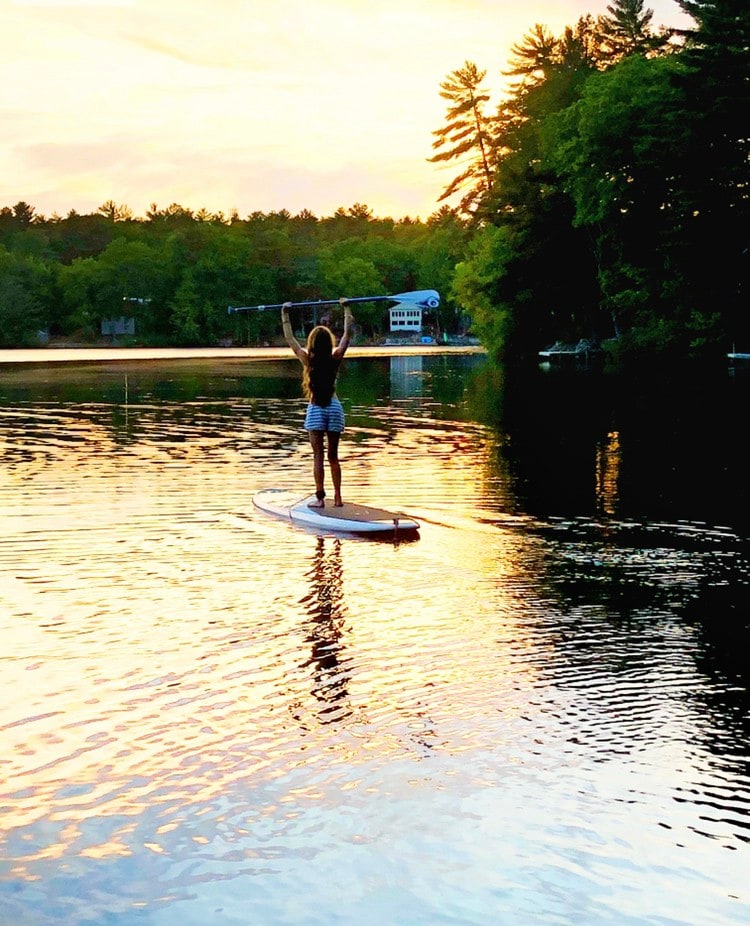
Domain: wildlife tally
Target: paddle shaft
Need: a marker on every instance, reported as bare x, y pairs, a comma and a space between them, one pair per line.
299, 305
428, 298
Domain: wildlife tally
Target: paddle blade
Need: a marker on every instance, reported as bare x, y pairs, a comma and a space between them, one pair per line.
425, 298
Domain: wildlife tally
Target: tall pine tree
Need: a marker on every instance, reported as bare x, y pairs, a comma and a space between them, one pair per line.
466, 137
627, 31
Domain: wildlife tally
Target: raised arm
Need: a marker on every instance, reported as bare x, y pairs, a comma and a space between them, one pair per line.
289, 334
346, 336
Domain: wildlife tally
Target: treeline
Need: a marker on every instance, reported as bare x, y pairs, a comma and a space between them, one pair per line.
609, 192
606, 197
175, 272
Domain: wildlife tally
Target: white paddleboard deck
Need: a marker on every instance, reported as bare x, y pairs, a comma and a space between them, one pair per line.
349, 518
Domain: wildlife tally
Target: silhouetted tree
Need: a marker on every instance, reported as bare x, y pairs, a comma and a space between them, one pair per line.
466, 137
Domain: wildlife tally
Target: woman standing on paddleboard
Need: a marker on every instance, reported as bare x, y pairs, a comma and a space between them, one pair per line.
324, 420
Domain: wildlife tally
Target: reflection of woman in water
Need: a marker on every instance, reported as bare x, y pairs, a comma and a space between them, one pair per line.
325, 605
324, 421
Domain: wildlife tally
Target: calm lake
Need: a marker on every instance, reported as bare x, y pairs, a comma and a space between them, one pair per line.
535, 713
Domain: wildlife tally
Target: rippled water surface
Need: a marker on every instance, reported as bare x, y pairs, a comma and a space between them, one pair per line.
536, 712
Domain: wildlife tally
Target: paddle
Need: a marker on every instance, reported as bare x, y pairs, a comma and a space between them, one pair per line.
423, 298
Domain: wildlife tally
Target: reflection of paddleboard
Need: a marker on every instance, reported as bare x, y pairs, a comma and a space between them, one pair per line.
349, 517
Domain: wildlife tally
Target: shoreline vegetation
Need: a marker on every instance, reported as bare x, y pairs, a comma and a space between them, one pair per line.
600, 201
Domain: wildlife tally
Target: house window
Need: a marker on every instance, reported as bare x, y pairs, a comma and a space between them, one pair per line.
403, 319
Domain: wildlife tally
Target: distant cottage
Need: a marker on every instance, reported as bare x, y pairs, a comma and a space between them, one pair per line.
123, 324
112, 327
405, 318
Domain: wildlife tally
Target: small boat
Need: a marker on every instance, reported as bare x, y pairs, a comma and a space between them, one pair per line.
560, 352
739, 363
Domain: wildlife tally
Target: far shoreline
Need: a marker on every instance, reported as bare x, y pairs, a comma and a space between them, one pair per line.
60, 355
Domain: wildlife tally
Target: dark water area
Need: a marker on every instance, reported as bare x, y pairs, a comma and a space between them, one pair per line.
536, 712
675, 439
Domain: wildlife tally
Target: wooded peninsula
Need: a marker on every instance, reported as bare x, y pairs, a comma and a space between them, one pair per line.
606, 197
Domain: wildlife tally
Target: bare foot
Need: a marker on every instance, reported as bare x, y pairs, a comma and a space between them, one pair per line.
318, 503
337, 502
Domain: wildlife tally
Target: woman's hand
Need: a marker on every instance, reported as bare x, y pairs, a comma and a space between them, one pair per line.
343, 301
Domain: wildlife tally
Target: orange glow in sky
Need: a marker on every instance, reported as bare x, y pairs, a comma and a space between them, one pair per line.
245, 104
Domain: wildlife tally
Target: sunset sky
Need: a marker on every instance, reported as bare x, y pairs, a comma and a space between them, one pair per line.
254, 105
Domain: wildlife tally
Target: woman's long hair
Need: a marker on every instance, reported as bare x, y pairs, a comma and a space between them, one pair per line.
320, 371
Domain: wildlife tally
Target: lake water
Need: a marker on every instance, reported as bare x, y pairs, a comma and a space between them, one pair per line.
535, 713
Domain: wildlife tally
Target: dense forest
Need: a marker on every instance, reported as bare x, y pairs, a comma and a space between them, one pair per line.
605, 197
176, 272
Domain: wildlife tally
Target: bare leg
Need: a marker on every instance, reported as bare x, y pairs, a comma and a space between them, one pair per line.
335, 466
318, 448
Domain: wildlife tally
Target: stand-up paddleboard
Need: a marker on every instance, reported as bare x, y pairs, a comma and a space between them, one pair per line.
349, 518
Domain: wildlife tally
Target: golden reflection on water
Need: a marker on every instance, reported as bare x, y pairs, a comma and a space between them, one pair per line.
130, 562
207, 694
124, 552
608, 466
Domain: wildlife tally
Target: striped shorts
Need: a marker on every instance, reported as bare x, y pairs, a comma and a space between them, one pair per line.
331, 418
